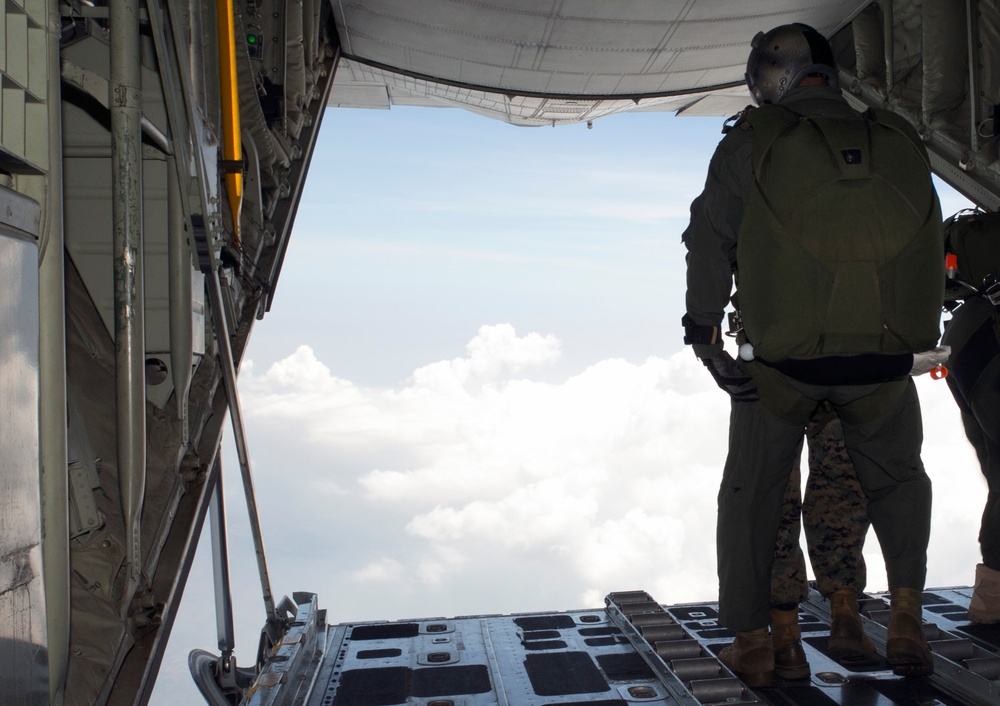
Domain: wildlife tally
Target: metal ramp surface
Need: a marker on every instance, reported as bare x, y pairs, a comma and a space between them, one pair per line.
634, 651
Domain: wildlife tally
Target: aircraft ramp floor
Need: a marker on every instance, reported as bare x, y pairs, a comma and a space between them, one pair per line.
634, 651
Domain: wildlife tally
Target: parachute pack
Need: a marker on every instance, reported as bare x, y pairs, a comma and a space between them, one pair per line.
972, 241
840, 248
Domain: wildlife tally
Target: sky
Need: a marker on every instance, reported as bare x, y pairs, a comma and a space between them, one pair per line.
471, 395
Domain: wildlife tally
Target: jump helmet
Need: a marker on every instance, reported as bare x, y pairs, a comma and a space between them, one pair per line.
781, 58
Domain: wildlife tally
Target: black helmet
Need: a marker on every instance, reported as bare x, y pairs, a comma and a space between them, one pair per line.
781, 58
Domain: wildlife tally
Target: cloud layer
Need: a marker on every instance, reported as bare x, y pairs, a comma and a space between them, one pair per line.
474, 486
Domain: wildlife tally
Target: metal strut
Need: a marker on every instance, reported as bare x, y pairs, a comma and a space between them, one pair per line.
220, 563
225, 675
235, 414
218, 678
125, 101
239, 436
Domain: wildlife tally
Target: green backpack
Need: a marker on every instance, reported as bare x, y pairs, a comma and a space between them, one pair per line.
973, 237
840, 248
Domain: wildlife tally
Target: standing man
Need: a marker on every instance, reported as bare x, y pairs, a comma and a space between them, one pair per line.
974, 336
829, 222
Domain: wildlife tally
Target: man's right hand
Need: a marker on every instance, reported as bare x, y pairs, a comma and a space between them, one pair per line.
730, 376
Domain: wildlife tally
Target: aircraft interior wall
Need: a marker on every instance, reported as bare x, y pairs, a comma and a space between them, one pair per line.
78, 140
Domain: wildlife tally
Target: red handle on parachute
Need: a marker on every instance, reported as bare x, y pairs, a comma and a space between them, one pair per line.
951, 265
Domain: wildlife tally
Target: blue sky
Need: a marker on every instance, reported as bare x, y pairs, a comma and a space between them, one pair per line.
427, 223
471, 394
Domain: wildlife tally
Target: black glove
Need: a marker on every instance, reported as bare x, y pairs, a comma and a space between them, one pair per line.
730, 377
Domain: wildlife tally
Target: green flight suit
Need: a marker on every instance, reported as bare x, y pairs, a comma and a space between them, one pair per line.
881, 422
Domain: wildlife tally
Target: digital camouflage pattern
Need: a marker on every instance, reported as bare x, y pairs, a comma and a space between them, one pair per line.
835, 515
788, 573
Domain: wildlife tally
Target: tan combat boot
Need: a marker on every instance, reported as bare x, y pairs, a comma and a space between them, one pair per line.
985, 604
786, 638
848, 641
751, 657
906, 649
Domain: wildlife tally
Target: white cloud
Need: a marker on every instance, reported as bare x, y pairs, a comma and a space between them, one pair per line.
439, 564
494, 462
548, 512
604, 482
495, 349
382, 571
324, 486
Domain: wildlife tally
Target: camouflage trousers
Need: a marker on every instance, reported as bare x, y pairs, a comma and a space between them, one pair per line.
834, 514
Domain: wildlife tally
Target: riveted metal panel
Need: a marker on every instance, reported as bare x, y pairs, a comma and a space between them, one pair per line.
23, 641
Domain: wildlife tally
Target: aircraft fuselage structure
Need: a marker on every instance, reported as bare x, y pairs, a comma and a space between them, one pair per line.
152, 158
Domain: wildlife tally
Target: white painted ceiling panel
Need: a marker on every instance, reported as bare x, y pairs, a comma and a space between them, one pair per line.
595, 55
361, 96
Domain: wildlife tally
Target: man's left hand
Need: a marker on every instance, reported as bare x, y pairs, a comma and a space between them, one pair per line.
928, 360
